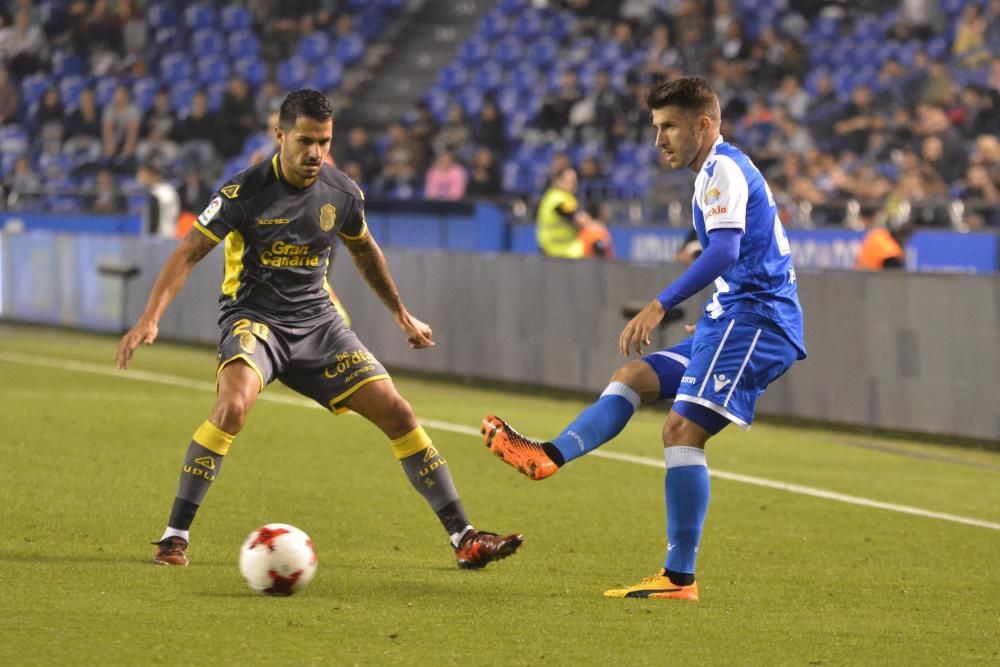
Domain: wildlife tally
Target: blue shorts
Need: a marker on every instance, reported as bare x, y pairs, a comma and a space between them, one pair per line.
724, 367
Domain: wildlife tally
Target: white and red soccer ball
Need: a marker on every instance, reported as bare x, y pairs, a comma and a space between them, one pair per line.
278, 559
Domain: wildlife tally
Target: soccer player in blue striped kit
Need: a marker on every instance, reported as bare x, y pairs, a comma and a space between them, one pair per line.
750, 334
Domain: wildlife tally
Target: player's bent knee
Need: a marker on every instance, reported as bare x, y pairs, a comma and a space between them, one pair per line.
640, 378
680, 431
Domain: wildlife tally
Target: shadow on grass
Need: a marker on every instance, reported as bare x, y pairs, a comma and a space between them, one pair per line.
102, 558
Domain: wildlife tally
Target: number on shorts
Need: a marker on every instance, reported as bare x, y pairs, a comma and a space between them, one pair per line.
259, 329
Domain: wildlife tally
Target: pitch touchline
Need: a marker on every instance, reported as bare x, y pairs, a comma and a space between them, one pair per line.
172, 380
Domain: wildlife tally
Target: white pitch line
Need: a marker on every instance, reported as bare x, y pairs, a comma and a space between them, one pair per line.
173, 380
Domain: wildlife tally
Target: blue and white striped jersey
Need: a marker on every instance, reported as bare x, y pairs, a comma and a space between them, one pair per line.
759, 288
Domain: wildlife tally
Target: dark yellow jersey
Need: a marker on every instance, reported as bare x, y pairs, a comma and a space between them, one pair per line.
279, 241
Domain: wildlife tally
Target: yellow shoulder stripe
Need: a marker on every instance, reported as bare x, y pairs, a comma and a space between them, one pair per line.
364, 233
197, 225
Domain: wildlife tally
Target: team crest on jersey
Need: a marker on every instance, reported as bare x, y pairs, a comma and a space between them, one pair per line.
210, 210
712, 196
248, 342
327, 217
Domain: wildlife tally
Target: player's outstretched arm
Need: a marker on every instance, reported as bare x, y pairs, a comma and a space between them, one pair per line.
722, 250
173, 275
372, 266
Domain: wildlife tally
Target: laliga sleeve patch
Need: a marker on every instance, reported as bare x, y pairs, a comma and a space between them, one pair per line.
211, 210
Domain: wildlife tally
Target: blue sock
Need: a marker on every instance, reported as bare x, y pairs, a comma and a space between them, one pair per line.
686, 490
599, 423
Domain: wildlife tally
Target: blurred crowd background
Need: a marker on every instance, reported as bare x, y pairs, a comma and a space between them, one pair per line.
871, 112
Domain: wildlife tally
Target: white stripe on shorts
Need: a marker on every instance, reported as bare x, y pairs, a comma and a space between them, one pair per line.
742, 368
679, 358
718, 351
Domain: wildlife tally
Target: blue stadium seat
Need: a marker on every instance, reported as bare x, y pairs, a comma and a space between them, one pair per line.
562, 24
511, 7
66, 63
488, 77
543, 52
243, 43
180, 95
199, 16
508, 51
371, 23
207, 41
212, 69
234, 18
349, 48
54, 165
213, 95
168, 39
104, 89
452, 77
175, 67
69, 91
161, 15
493, 24
525, 77
471, 100
529, 25
14, 141
143, 91
292, 73
473, 51
252, 69
33, 87
314, 46
327, 73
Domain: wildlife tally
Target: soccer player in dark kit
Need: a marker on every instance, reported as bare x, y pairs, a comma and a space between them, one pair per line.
279, 220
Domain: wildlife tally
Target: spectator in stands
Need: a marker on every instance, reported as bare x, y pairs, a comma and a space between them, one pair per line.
10, 97
554, 114
48, 122
994, 79
83, 126
23, 185
158, 147
160, 116
267, 100
401, 165
981, 190
857, 121
661, 56
132, 25
106, 197
981, 112
239, 111
198, 133
969, 48
162, 206
939, 88
792, 98
98, 32
490, 128
446, 179
120, 128
195, 193
920, 19
608, 103
359, 149
950, 167
22, 45
484, 175
593, 185
424, 127
455, 134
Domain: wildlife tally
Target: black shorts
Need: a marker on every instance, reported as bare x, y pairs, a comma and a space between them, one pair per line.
326, 362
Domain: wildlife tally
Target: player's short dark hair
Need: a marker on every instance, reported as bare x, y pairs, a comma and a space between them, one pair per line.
309, 103
690, 93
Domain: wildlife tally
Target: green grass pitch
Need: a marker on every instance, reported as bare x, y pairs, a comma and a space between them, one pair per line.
90, 462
